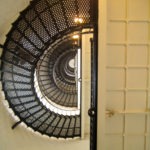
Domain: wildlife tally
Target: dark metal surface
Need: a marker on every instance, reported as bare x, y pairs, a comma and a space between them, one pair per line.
94, 81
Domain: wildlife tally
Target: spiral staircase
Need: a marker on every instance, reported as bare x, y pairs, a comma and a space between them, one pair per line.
38, 70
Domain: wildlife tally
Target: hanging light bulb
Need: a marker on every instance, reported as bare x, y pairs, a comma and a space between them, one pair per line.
78, 20
75, 37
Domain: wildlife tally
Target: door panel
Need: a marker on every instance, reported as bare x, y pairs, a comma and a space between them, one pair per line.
126, 84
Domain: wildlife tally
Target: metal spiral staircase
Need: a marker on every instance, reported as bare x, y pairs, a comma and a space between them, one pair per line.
38, 75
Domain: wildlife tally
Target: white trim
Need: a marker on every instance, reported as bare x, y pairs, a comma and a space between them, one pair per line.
101, 73
79, 76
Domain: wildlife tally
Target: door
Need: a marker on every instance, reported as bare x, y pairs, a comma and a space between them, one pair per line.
124, 75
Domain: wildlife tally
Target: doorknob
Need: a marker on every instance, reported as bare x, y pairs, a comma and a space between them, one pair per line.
92, 112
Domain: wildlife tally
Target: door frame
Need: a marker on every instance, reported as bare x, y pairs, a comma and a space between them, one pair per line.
102, 47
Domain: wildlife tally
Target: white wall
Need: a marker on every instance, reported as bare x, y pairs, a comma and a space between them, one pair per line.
9, 11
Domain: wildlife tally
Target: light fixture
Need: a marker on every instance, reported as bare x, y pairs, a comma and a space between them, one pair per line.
78, 20
75, 37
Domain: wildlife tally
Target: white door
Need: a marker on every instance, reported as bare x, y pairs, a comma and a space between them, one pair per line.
124, 75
